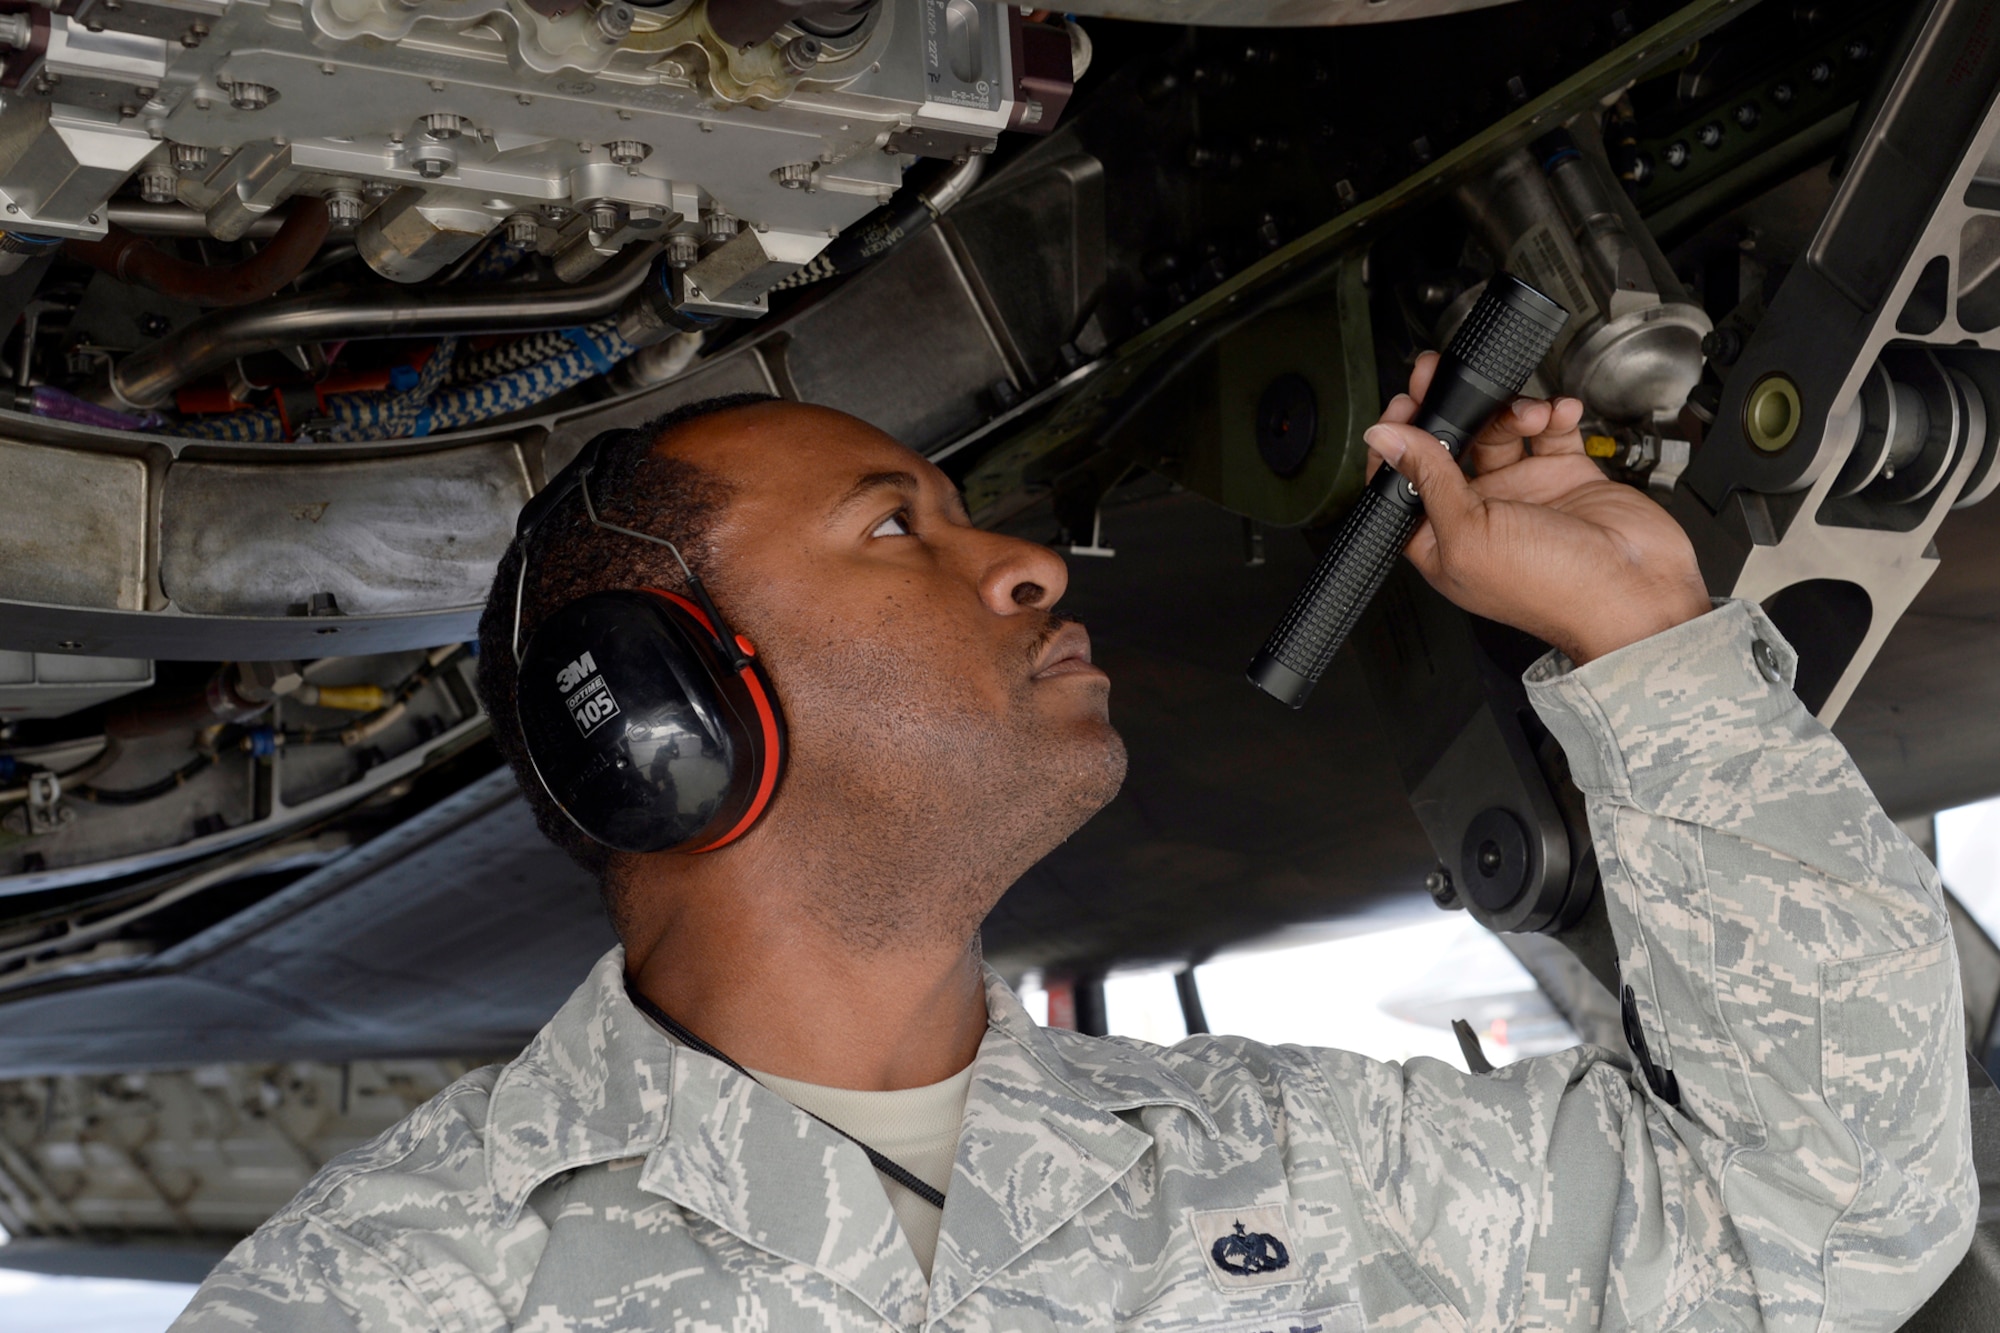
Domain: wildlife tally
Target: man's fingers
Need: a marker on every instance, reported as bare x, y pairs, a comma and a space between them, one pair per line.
1560, 435
1421, 374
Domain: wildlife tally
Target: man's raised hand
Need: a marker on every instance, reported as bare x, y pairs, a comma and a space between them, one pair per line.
1540, 538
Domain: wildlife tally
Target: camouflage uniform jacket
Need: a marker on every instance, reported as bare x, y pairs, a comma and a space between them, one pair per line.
1792, 967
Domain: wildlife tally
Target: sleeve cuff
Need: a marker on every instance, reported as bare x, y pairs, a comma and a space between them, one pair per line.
1707, 691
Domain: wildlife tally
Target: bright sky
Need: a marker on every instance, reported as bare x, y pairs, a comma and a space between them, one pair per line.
1969, 859
1388, 993
31, 1303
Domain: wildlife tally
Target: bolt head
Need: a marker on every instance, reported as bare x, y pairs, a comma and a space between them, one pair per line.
430, 168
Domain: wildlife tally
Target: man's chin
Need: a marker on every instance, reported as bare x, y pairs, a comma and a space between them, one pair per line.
1097, 767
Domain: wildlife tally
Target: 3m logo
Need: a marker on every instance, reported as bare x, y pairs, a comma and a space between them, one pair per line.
592, 705
575, 673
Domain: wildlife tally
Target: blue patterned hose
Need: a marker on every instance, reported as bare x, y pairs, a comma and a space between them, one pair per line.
427, 408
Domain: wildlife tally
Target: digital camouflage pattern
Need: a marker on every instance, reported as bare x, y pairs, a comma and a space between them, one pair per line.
1792, 966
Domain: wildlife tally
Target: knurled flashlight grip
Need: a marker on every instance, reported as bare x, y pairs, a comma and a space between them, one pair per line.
1501, 342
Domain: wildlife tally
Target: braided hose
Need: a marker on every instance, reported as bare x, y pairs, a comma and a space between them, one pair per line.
509, 357
432, 406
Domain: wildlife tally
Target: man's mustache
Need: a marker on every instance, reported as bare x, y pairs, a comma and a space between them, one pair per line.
1054, 626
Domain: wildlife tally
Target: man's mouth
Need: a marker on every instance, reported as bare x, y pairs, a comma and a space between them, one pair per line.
1067, 653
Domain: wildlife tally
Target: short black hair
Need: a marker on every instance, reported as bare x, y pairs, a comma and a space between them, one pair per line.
638, 486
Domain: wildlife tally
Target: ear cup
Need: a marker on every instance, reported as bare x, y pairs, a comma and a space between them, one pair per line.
641, 730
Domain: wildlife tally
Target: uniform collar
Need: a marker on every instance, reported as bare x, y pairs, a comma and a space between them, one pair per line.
1043, 1136
593, 1086
1105, 1073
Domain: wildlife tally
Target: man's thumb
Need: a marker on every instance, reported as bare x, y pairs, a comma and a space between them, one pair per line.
1423, 462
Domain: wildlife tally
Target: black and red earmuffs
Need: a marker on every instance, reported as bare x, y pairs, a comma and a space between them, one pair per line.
649, 721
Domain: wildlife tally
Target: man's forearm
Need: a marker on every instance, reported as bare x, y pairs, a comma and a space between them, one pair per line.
1789, 960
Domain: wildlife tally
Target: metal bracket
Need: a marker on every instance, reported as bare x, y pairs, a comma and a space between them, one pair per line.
1900, 262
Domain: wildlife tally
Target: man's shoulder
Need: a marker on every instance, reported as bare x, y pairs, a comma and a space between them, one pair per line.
1205, 1070
421, 1171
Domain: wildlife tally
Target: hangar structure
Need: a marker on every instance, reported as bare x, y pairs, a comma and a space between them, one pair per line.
303, 299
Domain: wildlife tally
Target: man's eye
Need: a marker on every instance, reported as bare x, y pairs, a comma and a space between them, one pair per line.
896, 525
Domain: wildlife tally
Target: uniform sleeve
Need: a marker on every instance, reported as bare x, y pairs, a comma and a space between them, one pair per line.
300, 1276
1790, 964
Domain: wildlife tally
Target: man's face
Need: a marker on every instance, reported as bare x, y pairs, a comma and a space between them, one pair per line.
930, 693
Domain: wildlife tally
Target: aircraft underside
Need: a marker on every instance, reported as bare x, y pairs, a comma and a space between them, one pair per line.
308, 297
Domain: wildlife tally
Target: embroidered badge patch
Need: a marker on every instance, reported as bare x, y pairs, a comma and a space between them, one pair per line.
1246, 1247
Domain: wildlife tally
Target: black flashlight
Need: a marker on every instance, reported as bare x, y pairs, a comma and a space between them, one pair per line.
1501, 342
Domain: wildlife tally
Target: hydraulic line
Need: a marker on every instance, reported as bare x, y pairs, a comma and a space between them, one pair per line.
180, 220
509, 357
148, 377
132, 258
150, 791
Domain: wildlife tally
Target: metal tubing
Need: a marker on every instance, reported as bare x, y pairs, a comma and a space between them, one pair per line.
148, 377
145, 219
954, 185
130, 257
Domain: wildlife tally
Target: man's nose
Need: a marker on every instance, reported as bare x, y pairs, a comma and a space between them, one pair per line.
1019, 575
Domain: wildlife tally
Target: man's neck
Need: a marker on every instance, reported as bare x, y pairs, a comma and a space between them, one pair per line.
765, 982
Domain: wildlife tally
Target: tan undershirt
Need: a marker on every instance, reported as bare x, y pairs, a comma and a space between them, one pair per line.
916, 1128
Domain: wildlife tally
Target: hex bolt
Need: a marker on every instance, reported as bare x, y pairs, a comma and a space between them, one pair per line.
614, 22
1442, 891
343, 207
158, 185
793, 175
682, 250
802, 53
523, 229
251, 96
432, 160
628, 152
442, 125
188, 158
